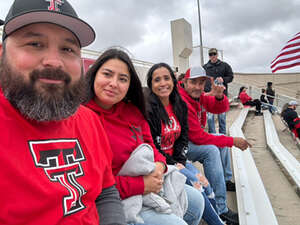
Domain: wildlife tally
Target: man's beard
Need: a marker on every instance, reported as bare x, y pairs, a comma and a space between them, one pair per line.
48, 102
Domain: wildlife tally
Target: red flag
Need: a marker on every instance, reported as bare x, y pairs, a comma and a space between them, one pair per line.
289, 55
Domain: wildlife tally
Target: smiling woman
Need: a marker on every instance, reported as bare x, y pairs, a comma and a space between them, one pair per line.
116, 96
111, 83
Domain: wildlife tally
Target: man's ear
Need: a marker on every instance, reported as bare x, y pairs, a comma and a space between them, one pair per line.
185, 80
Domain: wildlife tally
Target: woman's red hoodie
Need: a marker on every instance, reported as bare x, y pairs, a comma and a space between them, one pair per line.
244, 97
126, 128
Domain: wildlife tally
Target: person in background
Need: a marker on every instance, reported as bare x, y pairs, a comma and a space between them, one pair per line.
222, 74
247, 100
54, 167
207, 148
180, 77
167, 117
291, 117
265, 103
270, 93
115, 93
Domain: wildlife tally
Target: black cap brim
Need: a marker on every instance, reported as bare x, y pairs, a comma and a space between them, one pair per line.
1, 22
83, 31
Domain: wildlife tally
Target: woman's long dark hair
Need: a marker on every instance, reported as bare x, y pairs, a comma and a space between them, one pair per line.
174, 97
135, 92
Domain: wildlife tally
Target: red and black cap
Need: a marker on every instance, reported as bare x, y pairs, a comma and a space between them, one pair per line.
59, 12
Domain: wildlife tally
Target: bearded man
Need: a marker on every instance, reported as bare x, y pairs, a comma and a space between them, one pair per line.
55, 167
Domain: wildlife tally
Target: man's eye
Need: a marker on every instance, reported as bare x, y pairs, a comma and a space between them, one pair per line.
68, 50
35, 44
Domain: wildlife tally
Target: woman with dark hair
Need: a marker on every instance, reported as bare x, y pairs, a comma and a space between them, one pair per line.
115, 94
167, 117
247, 100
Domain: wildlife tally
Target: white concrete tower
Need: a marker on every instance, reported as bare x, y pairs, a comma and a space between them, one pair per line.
182, 44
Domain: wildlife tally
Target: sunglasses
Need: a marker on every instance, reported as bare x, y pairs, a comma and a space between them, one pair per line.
211, 54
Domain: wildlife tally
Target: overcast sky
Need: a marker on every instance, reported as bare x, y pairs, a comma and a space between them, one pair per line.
250, 33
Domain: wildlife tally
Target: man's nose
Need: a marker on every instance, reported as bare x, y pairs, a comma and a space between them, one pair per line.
199, 86
52, 58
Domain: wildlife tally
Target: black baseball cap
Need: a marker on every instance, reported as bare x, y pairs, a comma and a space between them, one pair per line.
1, 22
59, 12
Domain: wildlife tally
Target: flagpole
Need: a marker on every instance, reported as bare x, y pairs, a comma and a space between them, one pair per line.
200, 35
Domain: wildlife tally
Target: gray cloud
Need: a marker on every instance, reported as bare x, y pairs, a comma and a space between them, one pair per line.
251, 33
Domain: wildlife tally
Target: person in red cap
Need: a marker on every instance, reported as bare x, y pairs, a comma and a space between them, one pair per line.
207, 148
54, 167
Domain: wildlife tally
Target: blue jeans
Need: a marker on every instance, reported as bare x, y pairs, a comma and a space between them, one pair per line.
191, 217
190, 171
210, 214
210, 157
211, 123
271, 108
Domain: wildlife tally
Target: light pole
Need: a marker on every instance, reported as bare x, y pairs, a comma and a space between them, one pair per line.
200, 35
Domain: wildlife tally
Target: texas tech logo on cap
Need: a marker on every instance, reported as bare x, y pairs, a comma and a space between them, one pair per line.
54, 4
60, 160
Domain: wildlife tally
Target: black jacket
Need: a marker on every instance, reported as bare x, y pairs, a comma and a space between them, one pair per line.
218, 69
181, 144
270, 92
289, 115
262, 98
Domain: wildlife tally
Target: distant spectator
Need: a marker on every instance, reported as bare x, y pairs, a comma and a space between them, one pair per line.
291, 117
270, 93
180, 77
265, 103
222, 74
247, 100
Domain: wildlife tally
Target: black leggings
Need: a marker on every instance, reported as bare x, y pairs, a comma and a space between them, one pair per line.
255, 103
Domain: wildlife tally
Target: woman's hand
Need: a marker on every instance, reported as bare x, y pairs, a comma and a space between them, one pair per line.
202, 179
180, 166
153, 182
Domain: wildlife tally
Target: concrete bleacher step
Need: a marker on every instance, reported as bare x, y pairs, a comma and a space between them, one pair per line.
286, 159
254, 206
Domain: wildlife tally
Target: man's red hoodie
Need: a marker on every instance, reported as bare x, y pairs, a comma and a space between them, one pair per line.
196, 133
126, 129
